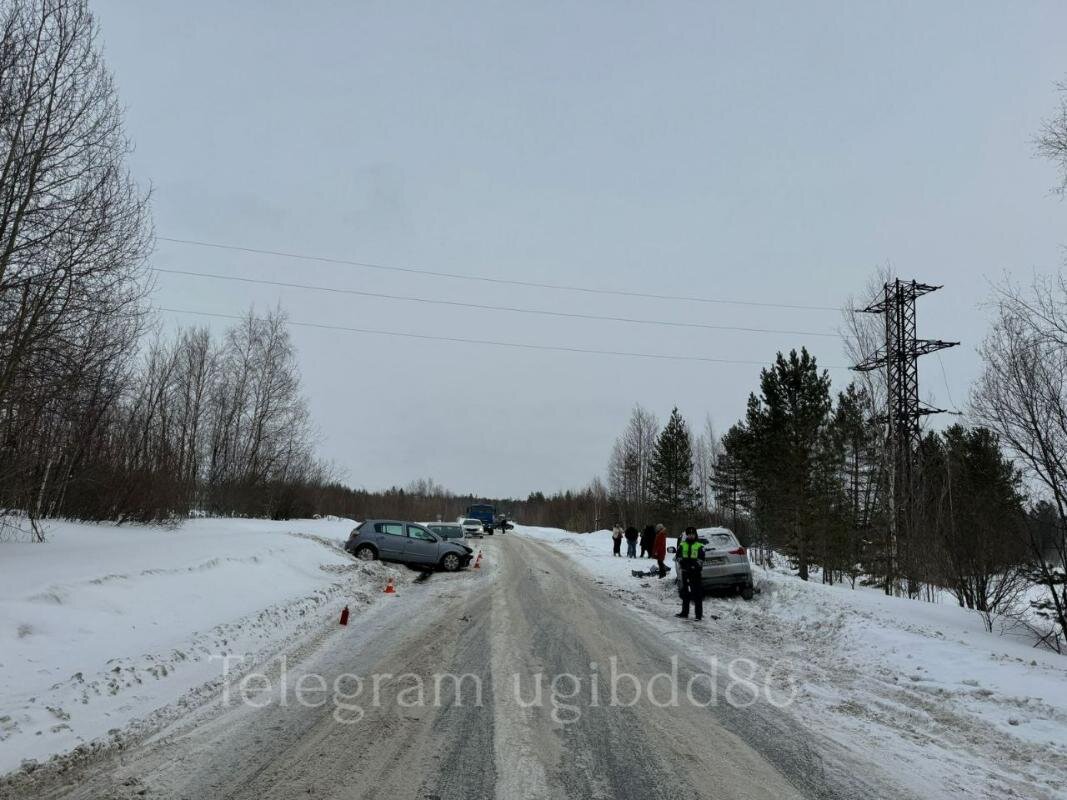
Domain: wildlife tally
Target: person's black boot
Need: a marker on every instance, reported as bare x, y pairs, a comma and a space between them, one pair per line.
682, 616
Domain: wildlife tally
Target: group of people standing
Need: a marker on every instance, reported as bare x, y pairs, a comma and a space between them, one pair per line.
653, 542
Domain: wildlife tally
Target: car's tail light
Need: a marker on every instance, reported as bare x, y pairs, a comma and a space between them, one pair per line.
739, 552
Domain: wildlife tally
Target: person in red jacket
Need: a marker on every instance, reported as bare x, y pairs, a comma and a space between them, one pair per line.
659, 549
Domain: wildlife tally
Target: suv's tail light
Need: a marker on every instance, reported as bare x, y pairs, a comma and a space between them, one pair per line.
739, 552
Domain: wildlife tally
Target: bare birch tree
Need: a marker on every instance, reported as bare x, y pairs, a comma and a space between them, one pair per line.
630, 464
1022, 397
1052, 140
74, 234
706, 449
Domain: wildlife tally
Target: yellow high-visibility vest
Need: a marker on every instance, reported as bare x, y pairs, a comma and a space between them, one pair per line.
690, 549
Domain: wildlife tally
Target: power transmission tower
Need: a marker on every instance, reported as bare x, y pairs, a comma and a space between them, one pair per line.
900, 359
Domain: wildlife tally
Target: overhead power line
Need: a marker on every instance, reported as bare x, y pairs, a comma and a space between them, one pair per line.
490, 342
485, 307
487, 279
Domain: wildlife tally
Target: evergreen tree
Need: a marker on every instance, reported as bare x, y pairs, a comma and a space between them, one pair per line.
671, 471
732, 486
973, 510
860, 441
727, 480
786, 457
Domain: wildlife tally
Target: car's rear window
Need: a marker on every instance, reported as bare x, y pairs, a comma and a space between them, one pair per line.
391, 528
448, 531
720, 539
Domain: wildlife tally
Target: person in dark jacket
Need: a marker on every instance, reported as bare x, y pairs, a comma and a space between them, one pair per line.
659, 549
690, 566
631, 542
648, 538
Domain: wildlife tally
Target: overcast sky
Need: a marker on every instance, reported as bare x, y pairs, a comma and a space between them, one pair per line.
771, 152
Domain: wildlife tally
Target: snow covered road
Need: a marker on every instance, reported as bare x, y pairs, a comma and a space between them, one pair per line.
603, 727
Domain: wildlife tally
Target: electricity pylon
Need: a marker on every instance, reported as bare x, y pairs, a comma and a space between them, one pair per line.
900, 359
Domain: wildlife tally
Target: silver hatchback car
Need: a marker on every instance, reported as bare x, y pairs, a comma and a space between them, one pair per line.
726, 564
406, 543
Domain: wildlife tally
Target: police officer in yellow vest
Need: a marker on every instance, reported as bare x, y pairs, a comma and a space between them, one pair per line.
690, 565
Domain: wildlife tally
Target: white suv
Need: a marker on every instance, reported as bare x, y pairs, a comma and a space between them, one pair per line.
726, 564
471, 526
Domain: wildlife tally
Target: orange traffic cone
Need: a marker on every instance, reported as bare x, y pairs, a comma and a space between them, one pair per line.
389, 587
344, 616
478, 561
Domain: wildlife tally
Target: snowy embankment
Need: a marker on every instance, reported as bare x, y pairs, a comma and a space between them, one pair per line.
104, 629
946, 708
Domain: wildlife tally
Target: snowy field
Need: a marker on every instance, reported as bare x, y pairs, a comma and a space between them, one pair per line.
105, 626
922, 688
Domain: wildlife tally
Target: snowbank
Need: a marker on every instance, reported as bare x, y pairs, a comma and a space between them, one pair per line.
951, 710
103, 625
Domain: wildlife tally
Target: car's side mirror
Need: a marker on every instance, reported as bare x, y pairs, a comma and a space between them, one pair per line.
672, 549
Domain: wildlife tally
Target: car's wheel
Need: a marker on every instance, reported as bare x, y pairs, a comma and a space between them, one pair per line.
365, 553
747, 592
450, 562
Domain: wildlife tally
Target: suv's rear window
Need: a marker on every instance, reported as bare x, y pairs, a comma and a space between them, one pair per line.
720, 540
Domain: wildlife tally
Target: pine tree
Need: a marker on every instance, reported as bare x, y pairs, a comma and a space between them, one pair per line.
671, 471
784, 456
859, 438
733, 490
727, 479
973, 511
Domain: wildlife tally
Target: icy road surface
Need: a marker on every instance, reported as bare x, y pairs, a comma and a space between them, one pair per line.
529, 611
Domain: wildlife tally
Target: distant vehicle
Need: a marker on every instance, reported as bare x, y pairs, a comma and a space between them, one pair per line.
452, 531
726, 564
501, 523
471, 526
485, 514
406, 543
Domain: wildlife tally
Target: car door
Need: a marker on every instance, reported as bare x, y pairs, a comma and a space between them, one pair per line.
391, 540
420, 546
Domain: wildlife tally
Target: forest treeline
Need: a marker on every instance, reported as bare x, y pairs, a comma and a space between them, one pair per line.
100, 418
427, 501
